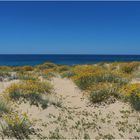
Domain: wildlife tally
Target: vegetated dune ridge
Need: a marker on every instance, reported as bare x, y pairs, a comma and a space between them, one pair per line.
70, 113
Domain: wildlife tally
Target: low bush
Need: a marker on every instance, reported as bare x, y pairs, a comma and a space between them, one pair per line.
86, 80
129, 67
132, 93
99, 95
30, 90
102, 91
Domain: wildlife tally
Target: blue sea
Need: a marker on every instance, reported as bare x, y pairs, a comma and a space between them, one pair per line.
20, 60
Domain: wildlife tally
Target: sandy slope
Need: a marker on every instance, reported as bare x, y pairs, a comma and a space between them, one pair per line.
78, 119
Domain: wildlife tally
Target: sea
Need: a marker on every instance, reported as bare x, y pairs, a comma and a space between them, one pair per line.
32, 60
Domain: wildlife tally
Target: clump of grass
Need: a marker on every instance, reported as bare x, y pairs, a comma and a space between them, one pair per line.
129, 67
135, 101
101, 92
46, 66
17, 126
63, 68
99, 95
4, 106
54, 100
30, 90
49, 73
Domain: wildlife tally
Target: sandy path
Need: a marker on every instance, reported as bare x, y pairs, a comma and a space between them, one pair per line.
71, 94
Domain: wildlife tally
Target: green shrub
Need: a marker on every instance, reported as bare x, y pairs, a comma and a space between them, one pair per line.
135, 101
101, 91
99, 95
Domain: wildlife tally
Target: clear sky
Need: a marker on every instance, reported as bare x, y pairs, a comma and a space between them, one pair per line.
69, 27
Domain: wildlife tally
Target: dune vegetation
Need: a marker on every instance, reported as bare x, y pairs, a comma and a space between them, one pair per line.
29, 90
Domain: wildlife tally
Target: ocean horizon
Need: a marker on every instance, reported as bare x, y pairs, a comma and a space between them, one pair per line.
62, 59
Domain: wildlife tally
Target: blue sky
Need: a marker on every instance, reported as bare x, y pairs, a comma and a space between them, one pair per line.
69, 27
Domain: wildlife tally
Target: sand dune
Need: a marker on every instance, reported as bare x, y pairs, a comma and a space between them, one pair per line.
78, 119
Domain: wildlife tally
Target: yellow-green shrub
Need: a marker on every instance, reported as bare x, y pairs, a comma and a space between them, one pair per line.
132, 93
85, 80
129, 67
31, 86
30, 90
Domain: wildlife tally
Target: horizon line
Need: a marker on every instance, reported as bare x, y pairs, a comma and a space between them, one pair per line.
68, 54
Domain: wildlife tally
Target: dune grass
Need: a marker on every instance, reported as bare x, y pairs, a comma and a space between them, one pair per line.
17, 126
4, 106
30, 90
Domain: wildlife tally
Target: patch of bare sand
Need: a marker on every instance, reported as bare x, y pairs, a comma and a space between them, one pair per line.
78, 119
